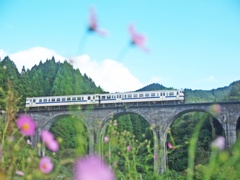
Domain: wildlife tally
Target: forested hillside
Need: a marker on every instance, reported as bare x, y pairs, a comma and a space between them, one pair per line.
227, 93
46, 79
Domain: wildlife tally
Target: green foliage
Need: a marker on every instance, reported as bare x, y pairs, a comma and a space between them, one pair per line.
182, 131
47, 79
215, 95
70, 129
234, 94
154, 86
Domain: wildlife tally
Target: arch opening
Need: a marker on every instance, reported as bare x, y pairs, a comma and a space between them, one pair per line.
180, 134
128, 144
72, 135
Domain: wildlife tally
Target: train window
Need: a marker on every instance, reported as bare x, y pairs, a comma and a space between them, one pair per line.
161, 94
129, 95
118, 96
152, 94
93, 97
177, 93
171, 93
78, 98
58, 99
34, 100
146, 94
140, 95
74, 98
63, 99
68, 99
30, 100
82, 98
89, 97
103, 97
44, 100
40, 100
135, 95
108, 97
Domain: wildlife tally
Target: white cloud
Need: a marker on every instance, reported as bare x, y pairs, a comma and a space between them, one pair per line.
2, 54
31, 57
111, 75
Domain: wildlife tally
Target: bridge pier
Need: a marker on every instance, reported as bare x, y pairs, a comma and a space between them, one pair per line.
91, 141
163, 151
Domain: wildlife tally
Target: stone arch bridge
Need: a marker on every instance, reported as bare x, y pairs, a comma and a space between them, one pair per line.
159, 116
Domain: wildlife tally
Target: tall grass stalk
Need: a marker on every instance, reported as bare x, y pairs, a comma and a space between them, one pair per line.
192, 149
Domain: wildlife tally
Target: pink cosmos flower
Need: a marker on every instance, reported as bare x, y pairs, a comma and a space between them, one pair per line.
106, 139
137, 39
46, 165
20, 173
219, 143
215, 109
170, 146
93, 25
26, 125
48, 139
92, 168
129, 148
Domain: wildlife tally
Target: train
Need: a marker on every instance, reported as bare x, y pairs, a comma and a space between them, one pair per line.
140, 97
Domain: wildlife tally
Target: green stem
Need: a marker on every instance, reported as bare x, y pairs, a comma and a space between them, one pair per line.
19, 141
192, 149
211, 165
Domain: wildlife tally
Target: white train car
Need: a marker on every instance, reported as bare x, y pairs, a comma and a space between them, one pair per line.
160, 96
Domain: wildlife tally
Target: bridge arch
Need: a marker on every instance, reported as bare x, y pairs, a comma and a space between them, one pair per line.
58, 117
114, 117
172, 118
48, 124
211, 128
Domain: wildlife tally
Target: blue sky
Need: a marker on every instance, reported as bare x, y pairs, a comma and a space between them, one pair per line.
193, 44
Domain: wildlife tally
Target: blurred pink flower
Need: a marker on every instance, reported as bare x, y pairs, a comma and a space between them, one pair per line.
46, 165
129, 148
170, 146
137, 39
219, 143
92, 168
215, 109
26, 125
48, 139
106, 139
20, 173
29, 142
93, 25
